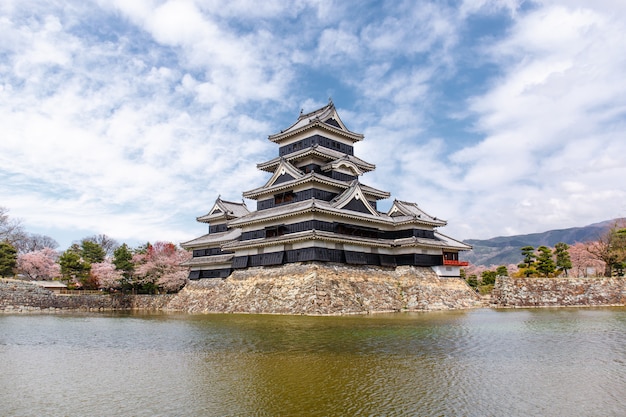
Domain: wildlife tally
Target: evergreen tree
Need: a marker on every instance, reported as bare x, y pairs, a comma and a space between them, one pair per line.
472, 281
610, 248
528, 264
8, 259
92, 252
563, 260
123, 261
74, 269
488, 277
501, 271
545, 263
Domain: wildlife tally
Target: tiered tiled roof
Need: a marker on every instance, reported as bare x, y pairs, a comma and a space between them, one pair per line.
309, 178
318, 151
314, 207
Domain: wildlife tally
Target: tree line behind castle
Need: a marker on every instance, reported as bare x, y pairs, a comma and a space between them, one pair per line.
99, 262
605, 256
95, 263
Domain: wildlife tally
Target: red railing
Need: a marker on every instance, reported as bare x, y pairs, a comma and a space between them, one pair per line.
455, 263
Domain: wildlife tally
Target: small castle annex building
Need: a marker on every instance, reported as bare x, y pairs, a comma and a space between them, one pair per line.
315, 208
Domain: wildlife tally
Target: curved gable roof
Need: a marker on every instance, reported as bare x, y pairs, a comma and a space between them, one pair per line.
354, 199
284, 172
325, 117
343, 162
406, 209
224, 210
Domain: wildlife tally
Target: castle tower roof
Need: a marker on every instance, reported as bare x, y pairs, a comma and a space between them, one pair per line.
224, 210
325, 119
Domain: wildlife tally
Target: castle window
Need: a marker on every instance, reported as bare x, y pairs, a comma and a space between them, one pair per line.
286, 197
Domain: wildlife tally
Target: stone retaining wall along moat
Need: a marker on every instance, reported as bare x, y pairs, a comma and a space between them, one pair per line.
315, 289
558, 292
321, 289
24, 296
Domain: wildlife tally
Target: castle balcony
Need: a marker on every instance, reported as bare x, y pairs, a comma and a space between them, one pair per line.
454, 262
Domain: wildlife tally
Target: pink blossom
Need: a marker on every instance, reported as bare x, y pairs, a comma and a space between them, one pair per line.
160, 265
39, 265
106, 275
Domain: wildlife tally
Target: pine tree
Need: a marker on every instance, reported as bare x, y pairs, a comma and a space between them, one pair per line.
8, 259
527, 265
563, 260
501, 271
74, 269
123, 261
92, 252
545, 263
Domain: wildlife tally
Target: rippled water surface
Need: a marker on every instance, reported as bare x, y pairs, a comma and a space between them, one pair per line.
561, 362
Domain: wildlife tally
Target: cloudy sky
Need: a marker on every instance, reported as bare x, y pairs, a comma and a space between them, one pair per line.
129, 118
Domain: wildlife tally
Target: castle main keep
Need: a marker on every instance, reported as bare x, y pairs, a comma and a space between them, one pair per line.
314, 207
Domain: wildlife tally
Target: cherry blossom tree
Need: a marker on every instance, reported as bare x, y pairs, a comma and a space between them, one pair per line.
106, 275
39, 265
583, 260
159, 267
610, 248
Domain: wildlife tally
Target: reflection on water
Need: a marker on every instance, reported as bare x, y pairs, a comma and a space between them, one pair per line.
479, 362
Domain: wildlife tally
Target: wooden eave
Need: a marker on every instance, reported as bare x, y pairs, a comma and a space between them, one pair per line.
453, 243
323, 207
210, 218
312, 177
351, 136
308, 235
420, 243
407, 220
212, 239
209, 260
316, 150
305, 207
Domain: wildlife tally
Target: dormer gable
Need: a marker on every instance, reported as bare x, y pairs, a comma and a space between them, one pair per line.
284, 172
354, 199
406, 209
223, 210
344, 165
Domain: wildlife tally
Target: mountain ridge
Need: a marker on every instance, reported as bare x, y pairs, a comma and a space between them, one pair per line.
504, 250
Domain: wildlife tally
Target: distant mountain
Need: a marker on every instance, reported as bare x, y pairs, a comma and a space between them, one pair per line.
504, 250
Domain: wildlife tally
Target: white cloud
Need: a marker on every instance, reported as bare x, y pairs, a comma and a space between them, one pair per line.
553, 118
133, 126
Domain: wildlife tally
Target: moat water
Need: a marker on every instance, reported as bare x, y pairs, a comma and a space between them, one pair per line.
540, 362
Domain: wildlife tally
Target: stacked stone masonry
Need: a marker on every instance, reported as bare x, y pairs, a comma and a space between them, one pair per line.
558, 292
312, 289
326, 289
24, 296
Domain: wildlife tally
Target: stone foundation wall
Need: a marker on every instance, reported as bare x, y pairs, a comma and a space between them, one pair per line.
313, 288
325, 289
24, 296
549, 292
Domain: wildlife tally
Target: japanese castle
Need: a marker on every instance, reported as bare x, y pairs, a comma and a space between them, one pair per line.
315, 208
